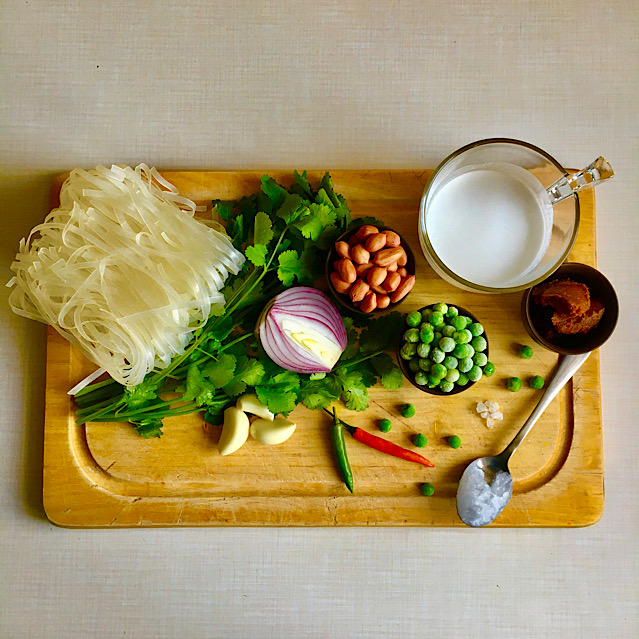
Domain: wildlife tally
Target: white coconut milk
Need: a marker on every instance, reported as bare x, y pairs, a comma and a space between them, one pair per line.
490, 224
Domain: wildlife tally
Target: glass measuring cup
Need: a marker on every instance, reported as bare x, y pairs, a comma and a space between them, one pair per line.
501, 215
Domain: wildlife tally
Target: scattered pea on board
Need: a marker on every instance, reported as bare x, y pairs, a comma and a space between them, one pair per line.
525, 352
536, 382
427, 489
408, 410
384, 425
454, 441
420, 440
513, 384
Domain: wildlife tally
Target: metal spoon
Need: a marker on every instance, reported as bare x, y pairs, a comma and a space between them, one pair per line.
486, 485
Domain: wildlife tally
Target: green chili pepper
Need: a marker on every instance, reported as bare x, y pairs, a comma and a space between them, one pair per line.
339, 447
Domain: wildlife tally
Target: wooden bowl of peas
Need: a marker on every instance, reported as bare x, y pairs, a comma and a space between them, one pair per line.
443, 349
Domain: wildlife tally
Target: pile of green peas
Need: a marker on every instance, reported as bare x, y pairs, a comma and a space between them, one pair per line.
444, 349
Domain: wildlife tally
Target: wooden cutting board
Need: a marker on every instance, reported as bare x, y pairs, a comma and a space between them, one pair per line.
105, 475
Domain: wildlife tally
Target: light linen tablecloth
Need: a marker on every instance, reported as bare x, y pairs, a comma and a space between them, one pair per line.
324, 84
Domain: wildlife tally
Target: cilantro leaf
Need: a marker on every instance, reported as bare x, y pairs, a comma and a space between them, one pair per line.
220, 372
139, 395
223, 209
320, 392
263, 232
249, 372
381, 334
315, 220
275, 193
257, 254
280, 393
352, 346
356, 398
237, 231
198, 388
290, 267
390, 374
304, 189
291, 209
354, 385
150, 427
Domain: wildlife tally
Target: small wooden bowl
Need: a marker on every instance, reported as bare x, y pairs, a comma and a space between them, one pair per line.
537, 318
345, 300
408, 374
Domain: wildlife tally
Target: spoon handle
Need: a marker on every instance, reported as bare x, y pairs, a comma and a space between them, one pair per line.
568, 366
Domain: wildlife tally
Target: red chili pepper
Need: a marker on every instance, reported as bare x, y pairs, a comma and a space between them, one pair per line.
385, 446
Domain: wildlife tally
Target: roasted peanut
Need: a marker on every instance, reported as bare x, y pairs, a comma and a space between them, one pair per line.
342, 249
386, 257
379, 290
369, 303
346, 270
376, 276
403, 289
393, 267
392, 239
391, 282
339, 284
402, 271
359, 290
362, 269
366, 230
403, 258
359, 254
383, 301
375, 242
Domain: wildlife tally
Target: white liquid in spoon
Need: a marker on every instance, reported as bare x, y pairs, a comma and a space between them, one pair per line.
490, 224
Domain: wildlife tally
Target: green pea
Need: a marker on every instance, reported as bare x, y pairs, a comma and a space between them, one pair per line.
411, 335
448, 331
513, 384
479, 358
462, 337
420, 440
489, 369
421, 378
414, 319
413, 364
452, 312
447, 344
408, 410
467, 320
471, 350
427, 489
479, 343
408, 351
450, 362
425, 365
384, 425
426, 313
525, 352
475, 374
436, 318
437, 355
458, 323
454, 441
433, 381
438, 371
437, 335
461, 351
463, 379
536, 382
465, 364
452, 375
440, 308
476, 329
426, 333
446, 386
423, 349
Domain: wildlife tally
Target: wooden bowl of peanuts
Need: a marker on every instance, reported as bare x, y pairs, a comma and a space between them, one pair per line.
370, 269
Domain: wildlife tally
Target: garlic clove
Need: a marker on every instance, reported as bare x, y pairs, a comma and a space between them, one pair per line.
249, 403
235, 431
272, 432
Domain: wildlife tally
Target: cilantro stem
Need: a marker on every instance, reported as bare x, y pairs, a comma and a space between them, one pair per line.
359, 360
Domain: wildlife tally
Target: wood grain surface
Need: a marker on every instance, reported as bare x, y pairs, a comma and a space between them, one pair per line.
105, 475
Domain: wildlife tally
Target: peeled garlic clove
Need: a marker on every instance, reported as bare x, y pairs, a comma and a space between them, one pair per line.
235, 431
271, 433
249, 403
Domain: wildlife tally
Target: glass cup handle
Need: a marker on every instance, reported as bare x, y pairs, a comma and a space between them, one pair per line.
595, 173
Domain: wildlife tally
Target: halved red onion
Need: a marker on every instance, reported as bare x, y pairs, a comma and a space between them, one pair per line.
301, 330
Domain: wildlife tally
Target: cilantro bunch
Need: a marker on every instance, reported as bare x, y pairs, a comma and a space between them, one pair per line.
284, 234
